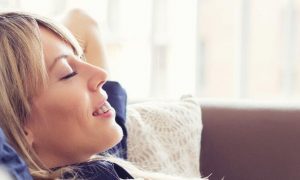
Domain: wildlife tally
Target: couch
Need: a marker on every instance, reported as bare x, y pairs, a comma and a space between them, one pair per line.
243, 140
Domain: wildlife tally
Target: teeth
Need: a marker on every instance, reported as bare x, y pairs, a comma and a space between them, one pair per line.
103, 109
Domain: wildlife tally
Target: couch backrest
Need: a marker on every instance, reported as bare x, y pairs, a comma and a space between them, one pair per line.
242, 141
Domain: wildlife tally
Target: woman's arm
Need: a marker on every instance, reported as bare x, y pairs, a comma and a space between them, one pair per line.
87, 32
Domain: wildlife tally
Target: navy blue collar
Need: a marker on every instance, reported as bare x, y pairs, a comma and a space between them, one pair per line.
98, 169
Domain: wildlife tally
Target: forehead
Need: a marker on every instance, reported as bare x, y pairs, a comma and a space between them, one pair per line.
53, 46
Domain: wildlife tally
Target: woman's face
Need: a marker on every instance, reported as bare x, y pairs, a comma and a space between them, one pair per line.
71, 118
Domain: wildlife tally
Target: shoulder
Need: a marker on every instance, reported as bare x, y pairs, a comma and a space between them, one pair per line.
10, 161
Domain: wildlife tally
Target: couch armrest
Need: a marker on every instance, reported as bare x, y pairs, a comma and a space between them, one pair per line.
250, 141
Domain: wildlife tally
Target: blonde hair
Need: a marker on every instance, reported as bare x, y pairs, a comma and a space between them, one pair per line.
22, 75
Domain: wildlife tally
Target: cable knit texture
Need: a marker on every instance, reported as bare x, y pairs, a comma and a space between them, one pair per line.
164, 136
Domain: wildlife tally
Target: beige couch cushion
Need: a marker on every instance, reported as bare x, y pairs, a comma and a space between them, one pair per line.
164, 136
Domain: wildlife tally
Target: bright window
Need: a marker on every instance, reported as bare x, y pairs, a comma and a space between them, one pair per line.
223, 49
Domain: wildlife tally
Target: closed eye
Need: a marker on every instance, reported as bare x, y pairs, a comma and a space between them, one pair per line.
69, 75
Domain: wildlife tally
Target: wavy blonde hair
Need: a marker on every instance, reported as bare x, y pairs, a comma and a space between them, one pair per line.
22, 76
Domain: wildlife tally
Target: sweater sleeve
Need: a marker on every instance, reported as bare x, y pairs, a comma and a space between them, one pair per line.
117, 97
11, 161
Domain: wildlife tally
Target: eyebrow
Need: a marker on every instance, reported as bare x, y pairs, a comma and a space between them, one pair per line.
63, 56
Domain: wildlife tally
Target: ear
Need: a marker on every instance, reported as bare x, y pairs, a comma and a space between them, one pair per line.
28, 135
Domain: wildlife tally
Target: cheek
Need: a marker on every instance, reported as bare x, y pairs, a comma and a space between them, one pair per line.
63, 105
59, 114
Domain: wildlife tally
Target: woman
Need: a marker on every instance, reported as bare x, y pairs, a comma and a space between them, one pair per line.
47, 121
53, 109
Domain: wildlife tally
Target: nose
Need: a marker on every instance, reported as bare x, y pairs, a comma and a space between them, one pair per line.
98, 77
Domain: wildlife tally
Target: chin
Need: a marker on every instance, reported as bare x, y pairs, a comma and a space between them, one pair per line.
118, 135
115, 136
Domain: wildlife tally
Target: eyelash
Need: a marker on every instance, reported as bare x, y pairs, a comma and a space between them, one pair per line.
81, 56
74, 73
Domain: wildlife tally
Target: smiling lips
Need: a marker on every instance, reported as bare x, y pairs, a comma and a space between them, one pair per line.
102, 109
